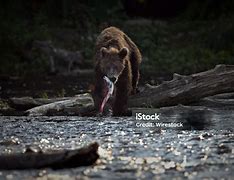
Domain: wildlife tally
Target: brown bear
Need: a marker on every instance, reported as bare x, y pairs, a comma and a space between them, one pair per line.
117, 58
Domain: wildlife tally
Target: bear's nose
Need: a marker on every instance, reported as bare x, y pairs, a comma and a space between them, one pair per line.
113, 79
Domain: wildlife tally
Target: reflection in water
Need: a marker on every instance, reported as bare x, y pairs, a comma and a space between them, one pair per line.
196, 119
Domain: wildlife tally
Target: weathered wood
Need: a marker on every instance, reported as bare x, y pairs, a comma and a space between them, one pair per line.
84, 72
57, 160
223, 96
79, 104
187, 89
180, 90
216, 103
24, 103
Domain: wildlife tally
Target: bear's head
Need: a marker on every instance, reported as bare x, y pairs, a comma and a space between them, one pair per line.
112, 62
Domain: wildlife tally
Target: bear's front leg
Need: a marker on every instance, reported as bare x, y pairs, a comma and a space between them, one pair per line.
120, 106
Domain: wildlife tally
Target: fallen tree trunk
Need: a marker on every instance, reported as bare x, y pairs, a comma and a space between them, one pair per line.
57, 160
180, 90
187, 89
78, 105
24, 103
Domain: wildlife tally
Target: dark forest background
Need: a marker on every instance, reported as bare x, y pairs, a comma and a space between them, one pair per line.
174, 36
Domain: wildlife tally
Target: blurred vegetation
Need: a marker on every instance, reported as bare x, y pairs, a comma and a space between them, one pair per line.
4, 105
43, 95
196, 39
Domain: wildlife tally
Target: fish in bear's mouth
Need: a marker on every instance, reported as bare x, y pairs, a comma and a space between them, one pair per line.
109, 91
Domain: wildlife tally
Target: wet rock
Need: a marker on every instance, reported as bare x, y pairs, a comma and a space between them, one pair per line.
32, 149
10, 142
207, 135
222, 149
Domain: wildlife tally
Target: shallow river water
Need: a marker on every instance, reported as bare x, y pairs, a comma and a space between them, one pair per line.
196, 151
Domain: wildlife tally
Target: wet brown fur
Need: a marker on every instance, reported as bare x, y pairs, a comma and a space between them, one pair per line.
114, 40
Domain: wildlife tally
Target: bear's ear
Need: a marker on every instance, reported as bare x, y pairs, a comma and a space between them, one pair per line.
104, 51
123, 52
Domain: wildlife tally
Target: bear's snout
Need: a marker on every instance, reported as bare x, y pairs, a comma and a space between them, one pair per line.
112, 72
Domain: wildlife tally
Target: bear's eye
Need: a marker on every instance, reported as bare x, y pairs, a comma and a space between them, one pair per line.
104, 52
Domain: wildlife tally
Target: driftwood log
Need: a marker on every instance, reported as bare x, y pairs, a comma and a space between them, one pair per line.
57, 160
78, 105
187, 89
184, 90
24, 103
